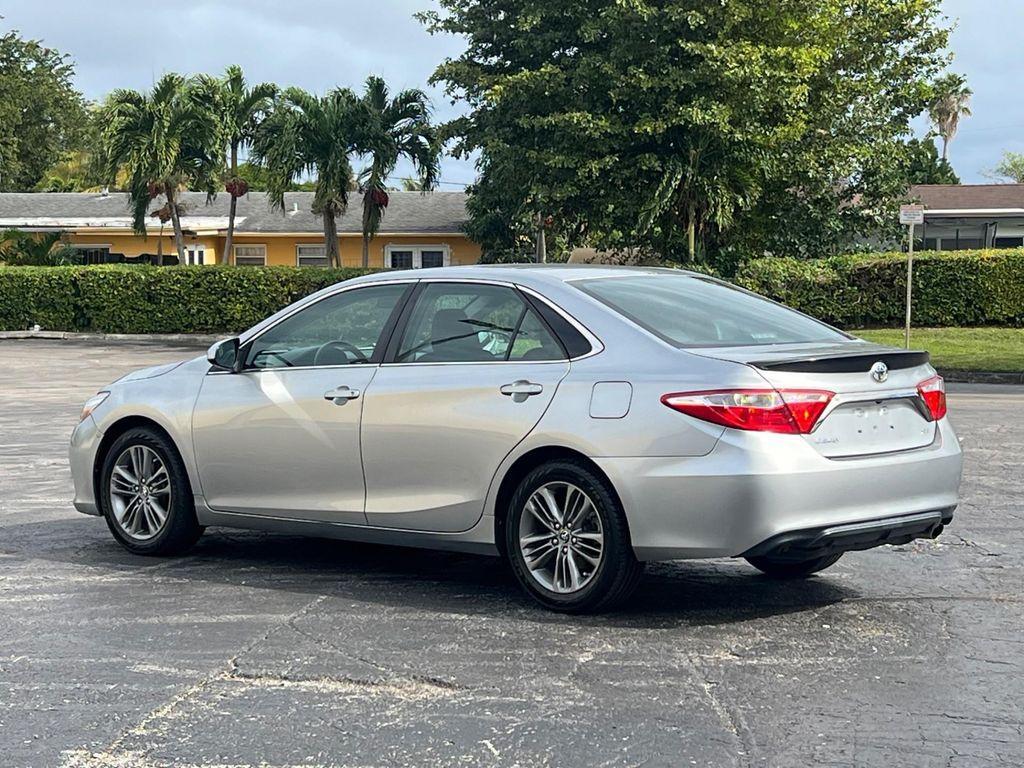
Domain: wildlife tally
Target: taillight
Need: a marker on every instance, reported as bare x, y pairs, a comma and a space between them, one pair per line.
787, 411
933, 392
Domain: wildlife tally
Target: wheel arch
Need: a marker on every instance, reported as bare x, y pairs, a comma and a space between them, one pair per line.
118, 428
525, 464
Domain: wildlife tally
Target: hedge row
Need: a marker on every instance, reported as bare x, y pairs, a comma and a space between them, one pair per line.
142, 299
965, 288
961, 288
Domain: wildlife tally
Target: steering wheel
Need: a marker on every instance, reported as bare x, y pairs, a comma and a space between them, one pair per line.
344, 347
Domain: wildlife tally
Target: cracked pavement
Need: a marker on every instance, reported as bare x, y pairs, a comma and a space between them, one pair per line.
271, 650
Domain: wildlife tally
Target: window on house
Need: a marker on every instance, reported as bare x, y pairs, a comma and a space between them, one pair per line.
250, 255
416, 257
1008, 242
93, 254
311, 255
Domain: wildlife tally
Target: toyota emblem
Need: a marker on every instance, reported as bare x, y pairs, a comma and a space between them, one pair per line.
879, 371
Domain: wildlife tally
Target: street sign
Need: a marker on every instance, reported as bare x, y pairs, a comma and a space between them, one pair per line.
911, 214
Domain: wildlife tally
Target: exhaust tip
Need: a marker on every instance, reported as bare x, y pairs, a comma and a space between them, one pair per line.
937, 530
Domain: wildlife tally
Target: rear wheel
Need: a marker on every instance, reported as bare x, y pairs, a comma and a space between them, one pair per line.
792, 569
145, 495
567, 540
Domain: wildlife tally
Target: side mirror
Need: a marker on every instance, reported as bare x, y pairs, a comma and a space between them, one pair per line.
224, 355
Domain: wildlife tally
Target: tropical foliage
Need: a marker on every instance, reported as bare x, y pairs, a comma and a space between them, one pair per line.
307, 135
29, 249
237, 110
164, 141
392, 128
950, 103
734, 126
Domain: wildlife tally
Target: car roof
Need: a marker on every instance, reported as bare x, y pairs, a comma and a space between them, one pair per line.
527, 274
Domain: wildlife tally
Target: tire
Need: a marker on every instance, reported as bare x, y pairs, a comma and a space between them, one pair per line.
792, 569
136, 526
602, 586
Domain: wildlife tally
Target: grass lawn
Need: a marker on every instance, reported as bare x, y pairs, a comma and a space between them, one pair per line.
960, 349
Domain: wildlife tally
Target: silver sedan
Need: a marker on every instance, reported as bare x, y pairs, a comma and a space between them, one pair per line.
577, 421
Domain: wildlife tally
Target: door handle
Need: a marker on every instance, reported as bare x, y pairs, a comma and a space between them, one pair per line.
520, 390
341, 395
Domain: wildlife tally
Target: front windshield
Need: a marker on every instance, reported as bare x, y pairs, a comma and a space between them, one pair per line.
691, 311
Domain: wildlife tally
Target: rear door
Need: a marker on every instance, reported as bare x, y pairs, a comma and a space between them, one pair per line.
876, 408
468, 374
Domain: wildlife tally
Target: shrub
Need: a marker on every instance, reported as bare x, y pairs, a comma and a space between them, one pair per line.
951, 288
144, 299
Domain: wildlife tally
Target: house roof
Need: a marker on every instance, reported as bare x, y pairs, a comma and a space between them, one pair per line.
407, 212
970, 198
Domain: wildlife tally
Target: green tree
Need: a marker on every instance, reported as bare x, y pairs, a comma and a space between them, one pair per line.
164, 141
685, 127
82, 168
924, 166
41, 113
951, 101
238, 110
392, 129
309, 135
1011, 168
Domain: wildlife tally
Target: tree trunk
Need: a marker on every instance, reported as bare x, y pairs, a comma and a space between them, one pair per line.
225, 258
366, 251
542, 246
331, 240
691, 236
945, 148
179, 237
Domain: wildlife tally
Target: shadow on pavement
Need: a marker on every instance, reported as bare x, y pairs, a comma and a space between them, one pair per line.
690, 593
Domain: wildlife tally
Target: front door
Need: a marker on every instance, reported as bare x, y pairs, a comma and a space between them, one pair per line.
281, 437
470, 376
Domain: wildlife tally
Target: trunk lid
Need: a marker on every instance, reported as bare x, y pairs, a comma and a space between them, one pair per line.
867, 416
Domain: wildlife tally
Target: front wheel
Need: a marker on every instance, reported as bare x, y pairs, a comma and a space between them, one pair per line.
568, 541
792, 569
145, 495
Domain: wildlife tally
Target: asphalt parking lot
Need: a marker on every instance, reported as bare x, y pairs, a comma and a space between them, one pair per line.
270, 650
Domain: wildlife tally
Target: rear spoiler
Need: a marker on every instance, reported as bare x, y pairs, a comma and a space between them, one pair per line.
857, 362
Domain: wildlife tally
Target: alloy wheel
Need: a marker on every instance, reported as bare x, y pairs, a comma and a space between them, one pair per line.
140, 492
561, 537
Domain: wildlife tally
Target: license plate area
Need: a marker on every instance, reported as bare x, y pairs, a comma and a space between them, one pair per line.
872, 427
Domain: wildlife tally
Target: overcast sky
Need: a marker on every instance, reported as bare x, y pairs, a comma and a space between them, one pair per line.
317, 44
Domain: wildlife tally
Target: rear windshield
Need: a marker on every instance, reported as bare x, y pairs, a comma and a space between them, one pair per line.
691, 311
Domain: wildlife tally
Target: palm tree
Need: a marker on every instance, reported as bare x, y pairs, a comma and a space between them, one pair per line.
951, 102
392, 129
238, 110
165, 141
309, 135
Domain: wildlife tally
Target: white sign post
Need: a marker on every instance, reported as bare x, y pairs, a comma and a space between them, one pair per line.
911, 216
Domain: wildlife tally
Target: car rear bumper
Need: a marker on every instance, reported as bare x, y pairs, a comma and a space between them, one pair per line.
754, 487
85, 441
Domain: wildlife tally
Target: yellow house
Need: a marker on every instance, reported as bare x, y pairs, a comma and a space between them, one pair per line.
418, 229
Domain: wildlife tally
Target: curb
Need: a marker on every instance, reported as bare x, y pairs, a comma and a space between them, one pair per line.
172, 339
983, 377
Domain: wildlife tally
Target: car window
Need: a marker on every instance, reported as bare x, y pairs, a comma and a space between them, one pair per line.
691, 311
342, 329
470, 322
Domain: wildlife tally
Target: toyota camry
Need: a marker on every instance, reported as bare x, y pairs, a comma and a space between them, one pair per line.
576, 421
